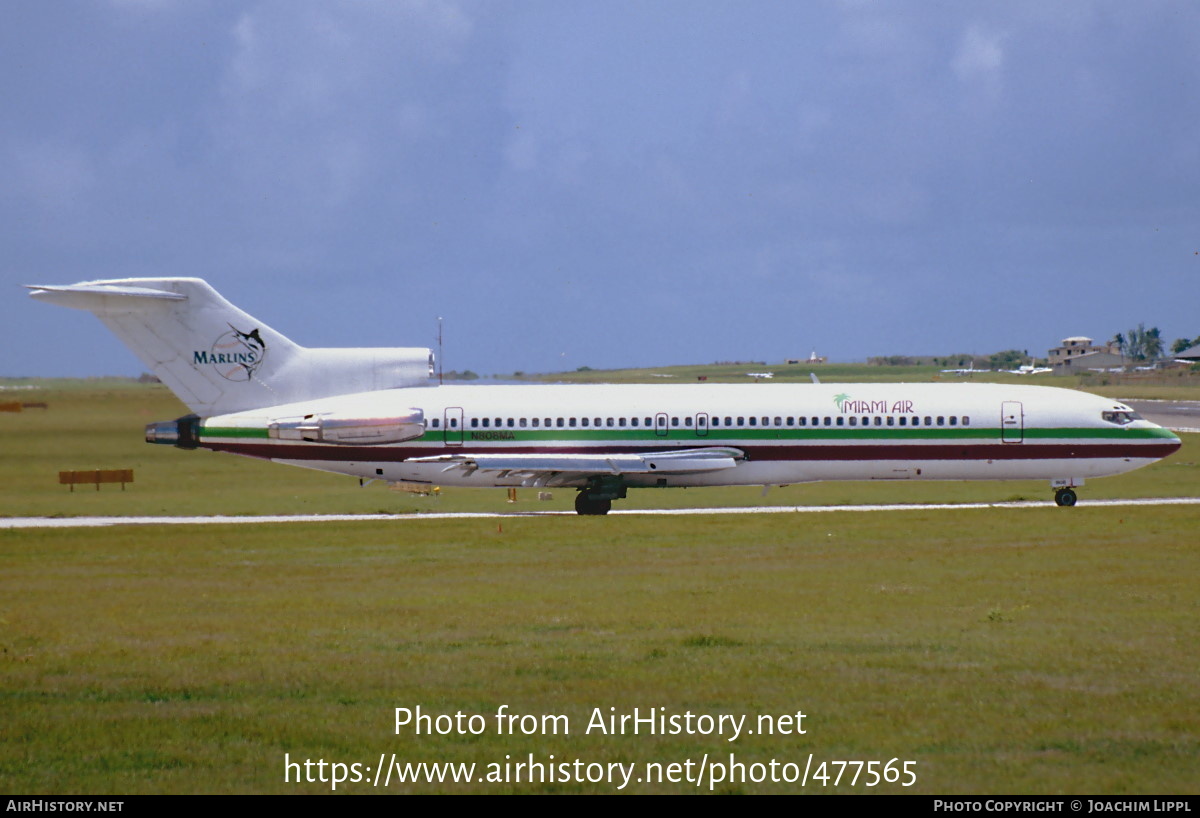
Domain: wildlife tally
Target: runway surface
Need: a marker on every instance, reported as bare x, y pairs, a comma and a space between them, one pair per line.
96, 522
1177, 415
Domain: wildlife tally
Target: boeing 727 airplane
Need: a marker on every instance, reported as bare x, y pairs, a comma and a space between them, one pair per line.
376, 414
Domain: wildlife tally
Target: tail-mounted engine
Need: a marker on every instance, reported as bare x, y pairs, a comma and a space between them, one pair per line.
349, 429
182, 432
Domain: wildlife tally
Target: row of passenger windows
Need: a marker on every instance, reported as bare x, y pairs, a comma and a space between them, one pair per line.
715, 421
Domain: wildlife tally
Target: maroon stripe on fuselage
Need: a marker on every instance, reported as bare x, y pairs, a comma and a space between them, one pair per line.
811, 452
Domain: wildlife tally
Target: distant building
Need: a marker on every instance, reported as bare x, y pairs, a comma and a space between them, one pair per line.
1078, 353
1098, 361
1076, 346
1189, 354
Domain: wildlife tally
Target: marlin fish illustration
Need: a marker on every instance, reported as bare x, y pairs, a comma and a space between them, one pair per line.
251, 338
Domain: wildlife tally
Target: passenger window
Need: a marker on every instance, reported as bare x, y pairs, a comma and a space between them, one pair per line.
454, 423
891, 421
648, 422
878, 421
583, 421
571, 422
674, 421
941, 421
802, 421
510, 423
523, 423
841, 421
916, 421
741, 421
903, 420
791, 421
778, 421
486, 421
435, 423
633, 421
687, 421
498, 423
560, 423
535, 423
620, 421
753, 421
827, 421
928, 420
953, 421
853, 420
474, 423
966, 421
597, 423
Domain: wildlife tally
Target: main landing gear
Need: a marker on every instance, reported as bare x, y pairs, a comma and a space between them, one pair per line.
1065, 497
585, 503
597, 496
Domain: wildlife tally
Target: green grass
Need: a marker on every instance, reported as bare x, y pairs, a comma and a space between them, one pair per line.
1031, 651
1003, 650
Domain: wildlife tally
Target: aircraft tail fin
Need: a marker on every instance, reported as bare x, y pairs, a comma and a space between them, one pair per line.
217, 358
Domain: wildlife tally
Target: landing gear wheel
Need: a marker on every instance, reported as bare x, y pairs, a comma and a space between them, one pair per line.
1065, 497
586, 504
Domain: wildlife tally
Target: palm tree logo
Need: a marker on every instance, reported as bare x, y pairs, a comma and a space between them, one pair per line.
838, 399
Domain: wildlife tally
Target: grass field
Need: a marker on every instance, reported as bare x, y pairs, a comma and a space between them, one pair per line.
1002, 650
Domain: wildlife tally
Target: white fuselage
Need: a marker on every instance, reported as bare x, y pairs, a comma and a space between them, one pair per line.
787, 433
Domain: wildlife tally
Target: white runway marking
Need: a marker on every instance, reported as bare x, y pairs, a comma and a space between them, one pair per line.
95, 522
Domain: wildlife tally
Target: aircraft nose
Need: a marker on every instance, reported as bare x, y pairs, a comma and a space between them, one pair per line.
1168, 439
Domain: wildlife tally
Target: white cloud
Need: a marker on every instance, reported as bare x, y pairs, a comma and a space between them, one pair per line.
980, 56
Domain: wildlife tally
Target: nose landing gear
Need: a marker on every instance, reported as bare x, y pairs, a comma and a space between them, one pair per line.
1065, 497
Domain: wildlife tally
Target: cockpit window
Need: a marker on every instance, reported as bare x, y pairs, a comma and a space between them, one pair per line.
1120, 418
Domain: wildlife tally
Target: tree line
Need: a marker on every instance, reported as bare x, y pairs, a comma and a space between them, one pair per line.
1143, 344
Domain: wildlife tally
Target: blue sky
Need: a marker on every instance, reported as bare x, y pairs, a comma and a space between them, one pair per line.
607, 184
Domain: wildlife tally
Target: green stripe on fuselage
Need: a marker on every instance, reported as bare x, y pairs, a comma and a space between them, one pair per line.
716, 435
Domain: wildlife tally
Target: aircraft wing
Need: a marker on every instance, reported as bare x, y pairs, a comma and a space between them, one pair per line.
559, 467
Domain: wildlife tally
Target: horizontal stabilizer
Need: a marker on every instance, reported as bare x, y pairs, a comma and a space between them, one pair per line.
101, 296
